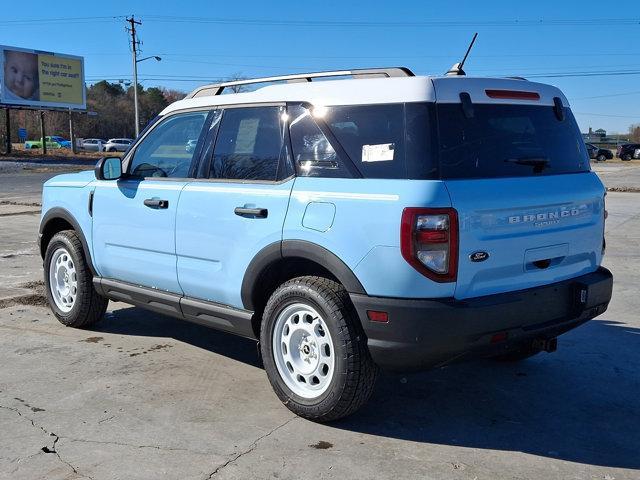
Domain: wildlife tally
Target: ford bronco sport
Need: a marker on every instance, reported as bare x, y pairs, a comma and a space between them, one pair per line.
387, 220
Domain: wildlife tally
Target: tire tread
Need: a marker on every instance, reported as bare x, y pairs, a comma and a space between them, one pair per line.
91, 307
361, 372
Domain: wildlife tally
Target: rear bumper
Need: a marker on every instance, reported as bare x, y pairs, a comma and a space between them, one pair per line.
426, 333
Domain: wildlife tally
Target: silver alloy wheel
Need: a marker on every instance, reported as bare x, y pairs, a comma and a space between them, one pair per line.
63, 279
303, 350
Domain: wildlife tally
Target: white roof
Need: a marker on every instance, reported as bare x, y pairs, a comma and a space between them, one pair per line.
379, 90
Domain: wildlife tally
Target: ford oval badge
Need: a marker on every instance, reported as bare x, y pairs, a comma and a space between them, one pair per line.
478, 256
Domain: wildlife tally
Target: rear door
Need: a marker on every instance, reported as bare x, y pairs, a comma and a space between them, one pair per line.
238, 208
518, 174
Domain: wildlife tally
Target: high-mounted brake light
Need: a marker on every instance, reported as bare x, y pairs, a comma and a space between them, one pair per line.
512, 94
429, 242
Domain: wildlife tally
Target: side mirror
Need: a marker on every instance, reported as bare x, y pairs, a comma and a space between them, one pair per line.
109, 168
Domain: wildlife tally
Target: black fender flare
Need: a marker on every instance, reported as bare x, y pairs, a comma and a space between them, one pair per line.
61, 213
296, 249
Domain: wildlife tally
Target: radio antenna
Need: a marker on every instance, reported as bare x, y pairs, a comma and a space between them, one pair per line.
456, 69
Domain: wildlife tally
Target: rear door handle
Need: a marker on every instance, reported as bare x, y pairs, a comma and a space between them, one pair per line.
251, 212
156, 203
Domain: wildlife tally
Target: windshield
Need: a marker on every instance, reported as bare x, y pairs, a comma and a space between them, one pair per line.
508, 141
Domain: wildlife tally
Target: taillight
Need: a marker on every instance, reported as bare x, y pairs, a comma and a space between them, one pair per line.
429, 242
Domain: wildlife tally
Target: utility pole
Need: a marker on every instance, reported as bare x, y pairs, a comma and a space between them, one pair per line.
134, 48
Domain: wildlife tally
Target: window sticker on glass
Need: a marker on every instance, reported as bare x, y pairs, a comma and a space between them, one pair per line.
382, 152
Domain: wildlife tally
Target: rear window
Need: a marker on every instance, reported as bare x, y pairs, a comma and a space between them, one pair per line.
508, 141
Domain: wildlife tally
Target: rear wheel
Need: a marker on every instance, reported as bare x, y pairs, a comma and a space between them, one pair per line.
626, 156
314, 350
69, 282
601, 157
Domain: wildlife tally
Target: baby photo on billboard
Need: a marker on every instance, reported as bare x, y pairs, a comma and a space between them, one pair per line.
21, 81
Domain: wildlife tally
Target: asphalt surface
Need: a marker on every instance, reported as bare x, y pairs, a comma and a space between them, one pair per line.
143, 396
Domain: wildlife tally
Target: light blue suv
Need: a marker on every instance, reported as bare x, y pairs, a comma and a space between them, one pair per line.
386, 220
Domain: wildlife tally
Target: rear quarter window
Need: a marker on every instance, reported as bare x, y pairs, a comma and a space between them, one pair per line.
373, 137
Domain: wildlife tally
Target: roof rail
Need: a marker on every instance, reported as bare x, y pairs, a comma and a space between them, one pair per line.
216, 89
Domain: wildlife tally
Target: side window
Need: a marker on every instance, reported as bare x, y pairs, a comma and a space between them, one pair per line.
313, 154
249, 144
165, 151
373, 137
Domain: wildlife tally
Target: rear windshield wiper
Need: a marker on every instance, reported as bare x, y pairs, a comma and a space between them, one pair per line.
538, 164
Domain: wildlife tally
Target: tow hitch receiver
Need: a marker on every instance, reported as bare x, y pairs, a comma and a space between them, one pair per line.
547, 345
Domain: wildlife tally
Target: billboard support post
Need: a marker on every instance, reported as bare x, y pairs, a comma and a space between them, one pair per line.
8, 125
72, 136
42, 133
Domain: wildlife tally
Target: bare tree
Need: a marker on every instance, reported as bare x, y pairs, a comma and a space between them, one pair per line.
237, 88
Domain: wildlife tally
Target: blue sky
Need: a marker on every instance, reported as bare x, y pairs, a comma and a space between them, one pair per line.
259, 38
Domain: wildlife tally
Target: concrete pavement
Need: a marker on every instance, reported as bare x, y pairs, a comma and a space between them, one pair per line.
143, 396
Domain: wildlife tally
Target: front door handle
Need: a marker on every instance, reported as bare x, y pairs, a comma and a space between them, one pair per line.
156, 203
251, 212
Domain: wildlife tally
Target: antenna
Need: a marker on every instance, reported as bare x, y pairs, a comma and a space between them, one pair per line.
456, 69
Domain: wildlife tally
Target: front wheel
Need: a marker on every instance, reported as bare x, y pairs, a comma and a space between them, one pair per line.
69, 282
626, 157
314, 350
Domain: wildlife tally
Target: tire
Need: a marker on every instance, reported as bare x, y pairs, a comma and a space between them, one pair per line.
601, 158
626, 157
65, 261
345, 373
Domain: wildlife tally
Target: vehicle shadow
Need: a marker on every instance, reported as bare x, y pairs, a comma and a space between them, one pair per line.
137, 321
579, 404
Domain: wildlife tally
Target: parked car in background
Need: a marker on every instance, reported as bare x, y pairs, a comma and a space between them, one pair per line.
118, 144
52, 142
600, 154
93, 144
626, 151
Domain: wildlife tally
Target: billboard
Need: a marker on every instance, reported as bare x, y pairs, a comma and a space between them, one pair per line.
33, 78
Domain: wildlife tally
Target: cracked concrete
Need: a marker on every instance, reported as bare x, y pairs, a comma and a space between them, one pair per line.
251, 448
141, 396
44, 450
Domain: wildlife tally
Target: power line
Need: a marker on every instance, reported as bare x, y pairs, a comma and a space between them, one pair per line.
536, 75
607, 115
340, 23
60, 20
377, 57
585, 74
622, 94
377, 24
